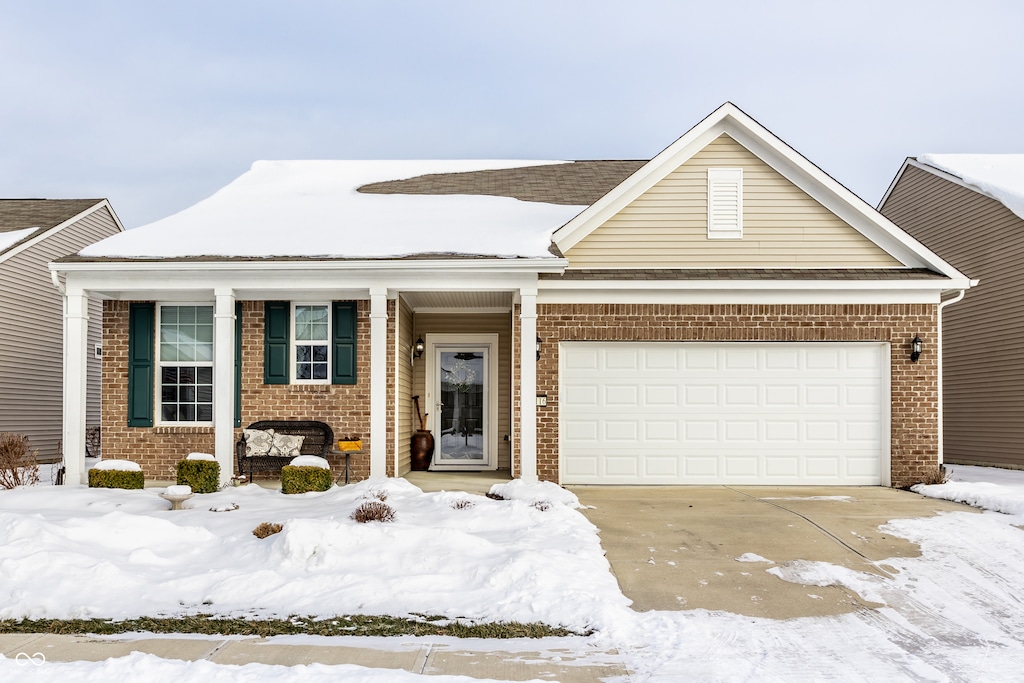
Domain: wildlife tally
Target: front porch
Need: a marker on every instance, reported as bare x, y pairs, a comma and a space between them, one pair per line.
477, 317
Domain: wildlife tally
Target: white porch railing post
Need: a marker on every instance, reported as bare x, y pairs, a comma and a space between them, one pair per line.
224, 382
378, 381
528, 385
76, 331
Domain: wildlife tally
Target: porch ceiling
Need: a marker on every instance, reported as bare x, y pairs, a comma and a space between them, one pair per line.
449, 300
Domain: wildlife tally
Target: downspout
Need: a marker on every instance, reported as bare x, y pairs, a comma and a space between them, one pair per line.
938, 330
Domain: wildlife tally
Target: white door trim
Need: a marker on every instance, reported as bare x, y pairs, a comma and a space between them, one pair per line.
434, 342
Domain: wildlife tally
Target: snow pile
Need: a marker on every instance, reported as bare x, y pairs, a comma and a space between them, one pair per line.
130, 556
312, 208
120, 465
536, 492
8, 239
200, 456
997, 175
178, 490
310, 461
984, 487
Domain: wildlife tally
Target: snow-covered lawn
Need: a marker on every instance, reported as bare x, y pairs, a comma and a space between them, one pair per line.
954, 613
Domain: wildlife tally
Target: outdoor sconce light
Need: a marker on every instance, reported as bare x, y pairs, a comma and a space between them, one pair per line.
915, 348
418, 347
538, 347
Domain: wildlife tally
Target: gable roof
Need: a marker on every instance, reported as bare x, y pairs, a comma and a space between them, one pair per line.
22, 220
730, 120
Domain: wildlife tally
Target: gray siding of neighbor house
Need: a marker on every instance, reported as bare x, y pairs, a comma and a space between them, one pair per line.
31, 336
983, 355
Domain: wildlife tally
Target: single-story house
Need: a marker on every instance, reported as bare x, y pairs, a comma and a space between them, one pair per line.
34, 232
970, 209
724, 313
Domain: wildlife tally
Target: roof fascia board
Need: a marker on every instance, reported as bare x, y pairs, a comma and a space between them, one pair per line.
777, 285
956, 180
383, 266
892, 185
750, 295
45, 234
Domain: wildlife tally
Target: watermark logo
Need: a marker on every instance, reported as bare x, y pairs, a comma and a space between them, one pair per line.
25, 659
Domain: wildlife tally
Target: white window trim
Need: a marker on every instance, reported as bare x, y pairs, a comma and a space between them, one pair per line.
725, 186
159, 365
292, 341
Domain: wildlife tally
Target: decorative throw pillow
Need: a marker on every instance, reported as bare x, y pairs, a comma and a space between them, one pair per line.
258, 442
285, 444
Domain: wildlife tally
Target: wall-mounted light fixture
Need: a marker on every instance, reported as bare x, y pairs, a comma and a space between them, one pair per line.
418, 348
538, 347
916, 345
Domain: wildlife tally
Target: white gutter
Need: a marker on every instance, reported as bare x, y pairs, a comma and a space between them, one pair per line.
938, 330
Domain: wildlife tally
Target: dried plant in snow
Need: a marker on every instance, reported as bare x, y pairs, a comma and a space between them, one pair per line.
18, 465
266, 529
374, 511
463, 504
541, 505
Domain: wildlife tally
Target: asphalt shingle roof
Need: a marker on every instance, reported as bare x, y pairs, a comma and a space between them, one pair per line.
19, 214
574, 183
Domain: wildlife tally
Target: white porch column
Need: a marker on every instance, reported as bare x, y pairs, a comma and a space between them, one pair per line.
76, 337
224, 382
528, 385
378, 381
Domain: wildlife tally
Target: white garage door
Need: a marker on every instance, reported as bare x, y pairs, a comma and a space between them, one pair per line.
724, 413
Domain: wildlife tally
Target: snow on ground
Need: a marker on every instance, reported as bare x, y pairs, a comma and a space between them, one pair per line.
956, 613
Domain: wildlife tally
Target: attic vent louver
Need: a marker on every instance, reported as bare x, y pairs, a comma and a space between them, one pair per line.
725, 203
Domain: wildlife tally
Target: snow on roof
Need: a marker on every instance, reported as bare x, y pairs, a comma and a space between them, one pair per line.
9, 239
312, 208
1000, 176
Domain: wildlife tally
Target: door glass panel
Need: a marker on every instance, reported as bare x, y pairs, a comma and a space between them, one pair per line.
463, 393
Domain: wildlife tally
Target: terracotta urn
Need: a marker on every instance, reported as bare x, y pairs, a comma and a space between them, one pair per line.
421, 449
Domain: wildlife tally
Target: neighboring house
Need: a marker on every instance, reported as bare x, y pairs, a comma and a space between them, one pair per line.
34, 232
970, 209
725, 313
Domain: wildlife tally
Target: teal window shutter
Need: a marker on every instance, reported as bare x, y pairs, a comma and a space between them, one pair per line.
238, 363
343, 339
141, 351
276, 336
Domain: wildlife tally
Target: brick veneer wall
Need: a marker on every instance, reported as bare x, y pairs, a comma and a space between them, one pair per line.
346, 408
914, 389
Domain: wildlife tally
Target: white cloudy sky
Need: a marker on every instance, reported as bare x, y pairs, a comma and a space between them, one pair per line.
157, 105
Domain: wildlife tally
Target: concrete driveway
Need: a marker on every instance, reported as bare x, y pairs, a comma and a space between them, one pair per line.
707, 547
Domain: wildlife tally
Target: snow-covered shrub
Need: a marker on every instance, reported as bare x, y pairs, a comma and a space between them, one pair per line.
202, 475
374, 511
266, 529
17, 461
113, 477
303, 479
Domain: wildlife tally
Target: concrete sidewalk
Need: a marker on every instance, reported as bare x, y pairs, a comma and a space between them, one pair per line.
707, 547
517, 660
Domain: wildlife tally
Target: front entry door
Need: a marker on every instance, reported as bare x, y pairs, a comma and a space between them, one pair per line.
462, 397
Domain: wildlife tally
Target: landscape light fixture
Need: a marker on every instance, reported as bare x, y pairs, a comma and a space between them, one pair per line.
538, 347
915, 348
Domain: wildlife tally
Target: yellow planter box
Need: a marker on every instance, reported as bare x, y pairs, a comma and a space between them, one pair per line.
350, 445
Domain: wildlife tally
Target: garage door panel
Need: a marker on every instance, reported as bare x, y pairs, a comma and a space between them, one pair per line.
740, 413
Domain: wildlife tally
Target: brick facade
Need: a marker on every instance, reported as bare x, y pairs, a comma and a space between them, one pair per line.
346, 408
914, 417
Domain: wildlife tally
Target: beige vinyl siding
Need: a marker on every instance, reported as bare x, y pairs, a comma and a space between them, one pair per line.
473, 323
783, 227
31, 337
983, 358
403, 372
